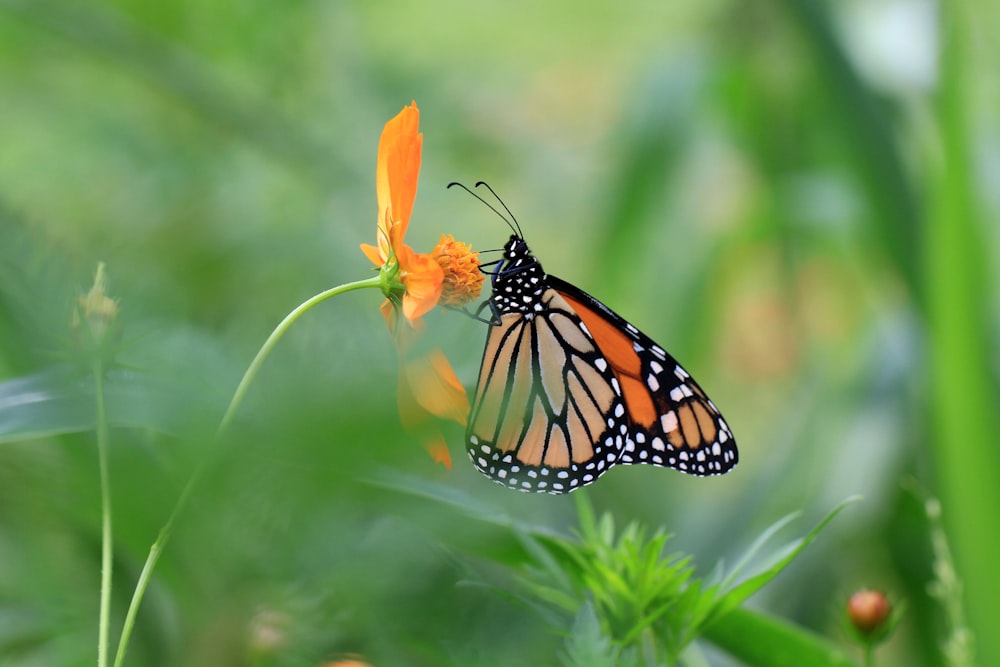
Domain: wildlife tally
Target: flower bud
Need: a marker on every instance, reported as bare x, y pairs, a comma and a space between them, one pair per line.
868, 611
95, 314
349, 662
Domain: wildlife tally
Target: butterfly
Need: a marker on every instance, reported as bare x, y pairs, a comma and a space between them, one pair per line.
568, 388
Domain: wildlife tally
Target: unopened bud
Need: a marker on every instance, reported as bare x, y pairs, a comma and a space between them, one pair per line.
95, 314
868, 611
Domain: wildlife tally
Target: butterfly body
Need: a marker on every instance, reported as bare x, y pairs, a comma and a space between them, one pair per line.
568, 389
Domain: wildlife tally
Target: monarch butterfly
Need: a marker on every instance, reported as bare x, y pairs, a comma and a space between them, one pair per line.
567, 388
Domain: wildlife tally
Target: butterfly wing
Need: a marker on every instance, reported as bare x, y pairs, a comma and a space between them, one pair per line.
672, 422
568, 388
549, 413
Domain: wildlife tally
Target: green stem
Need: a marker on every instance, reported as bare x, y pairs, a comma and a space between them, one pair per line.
161, 540
147, 569
278, 332
106, 538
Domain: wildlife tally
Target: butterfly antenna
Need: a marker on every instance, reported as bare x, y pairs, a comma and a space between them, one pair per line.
514, 227
505, 207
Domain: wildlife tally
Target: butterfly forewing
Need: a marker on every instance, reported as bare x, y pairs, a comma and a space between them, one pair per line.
548, 412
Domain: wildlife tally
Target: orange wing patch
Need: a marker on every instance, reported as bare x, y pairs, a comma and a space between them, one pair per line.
620, 352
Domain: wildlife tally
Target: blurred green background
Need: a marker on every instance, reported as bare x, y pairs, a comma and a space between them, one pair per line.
796, 198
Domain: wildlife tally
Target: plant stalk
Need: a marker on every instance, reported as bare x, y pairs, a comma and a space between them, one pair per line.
241, 390
107, 545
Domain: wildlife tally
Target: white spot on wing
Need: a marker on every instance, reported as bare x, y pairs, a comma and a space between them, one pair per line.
668, 422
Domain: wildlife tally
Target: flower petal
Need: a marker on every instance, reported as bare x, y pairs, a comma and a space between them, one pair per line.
438, 450
390, 315
435, 386
397, 170
374, 254
423, 278
428, 386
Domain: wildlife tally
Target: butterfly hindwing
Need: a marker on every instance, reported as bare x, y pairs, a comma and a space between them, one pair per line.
673, 423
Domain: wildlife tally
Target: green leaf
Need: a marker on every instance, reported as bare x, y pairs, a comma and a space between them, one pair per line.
61, 401
761, 640
729, 580
738, 594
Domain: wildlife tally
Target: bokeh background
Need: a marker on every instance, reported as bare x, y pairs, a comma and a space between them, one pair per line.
796, 198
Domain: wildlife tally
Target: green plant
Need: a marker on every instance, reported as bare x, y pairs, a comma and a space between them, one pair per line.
648, 600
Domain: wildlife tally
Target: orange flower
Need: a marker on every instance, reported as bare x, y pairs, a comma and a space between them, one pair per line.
414, 283
396, 175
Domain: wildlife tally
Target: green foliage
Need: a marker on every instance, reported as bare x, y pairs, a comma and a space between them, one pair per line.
647, 601
587, 644
790, 201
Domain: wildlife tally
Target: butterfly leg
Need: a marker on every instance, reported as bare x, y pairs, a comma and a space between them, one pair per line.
494, 319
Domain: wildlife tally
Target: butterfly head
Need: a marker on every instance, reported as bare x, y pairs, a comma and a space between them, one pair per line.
518, 279
516, 250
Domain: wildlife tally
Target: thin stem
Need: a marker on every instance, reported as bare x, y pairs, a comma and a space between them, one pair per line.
161, 540
106, 538
147, 569
276, 335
